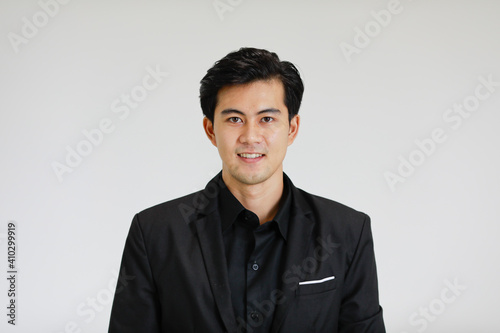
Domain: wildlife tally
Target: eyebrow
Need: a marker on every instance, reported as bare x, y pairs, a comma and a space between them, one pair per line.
229, 111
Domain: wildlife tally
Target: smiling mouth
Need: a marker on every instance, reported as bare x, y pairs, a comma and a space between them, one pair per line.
250, 155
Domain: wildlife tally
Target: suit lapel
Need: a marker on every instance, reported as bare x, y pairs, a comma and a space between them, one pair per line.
299, 241
209, 233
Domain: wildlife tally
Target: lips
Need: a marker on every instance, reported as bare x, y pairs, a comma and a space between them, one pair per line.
251, 158
250, 155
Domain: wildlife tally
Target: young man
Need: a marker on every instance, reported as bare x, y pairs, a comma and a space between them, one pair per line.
251, 252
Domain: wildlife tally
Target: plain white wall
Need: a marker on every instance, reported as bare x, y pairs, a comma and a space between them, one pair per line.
379, 76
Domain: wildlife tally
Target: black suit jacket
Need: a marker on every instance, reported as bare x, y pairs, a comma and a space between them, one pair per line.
174, 273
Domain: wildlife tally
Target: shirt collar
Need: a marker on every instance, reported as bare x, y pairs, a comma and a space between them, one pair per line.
230, 207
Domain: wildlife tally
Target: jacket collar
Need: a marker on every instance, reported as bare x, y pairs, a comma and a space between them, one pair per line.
230, 208
207, 223
300, 228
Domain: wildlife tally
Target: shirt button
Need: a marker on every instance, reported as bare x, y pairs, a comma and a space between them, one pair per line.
255, 267
254, 315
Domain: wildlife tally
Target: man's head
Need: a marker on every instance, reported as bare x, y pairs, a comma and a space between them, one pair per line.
250, 100
247, 65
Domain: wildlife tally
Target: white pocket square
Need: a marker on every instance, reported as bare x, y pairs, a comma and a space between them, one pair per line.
317, 281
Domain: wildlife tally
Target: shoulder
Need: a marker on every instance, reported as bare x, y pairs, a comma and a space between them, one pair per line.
332, 216
325, 206
337, 222
170, 206
324, 209
175, 213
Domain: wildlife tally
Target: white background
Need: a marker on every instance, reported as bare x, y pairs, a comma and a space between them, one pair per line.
361, 113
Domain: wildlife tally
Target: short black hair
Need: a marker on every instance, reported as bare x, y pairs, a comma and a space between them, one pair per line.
247, 65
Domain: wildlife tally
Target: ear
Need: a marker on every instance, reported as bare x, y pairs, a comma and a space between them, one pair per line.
293, 129
209, 130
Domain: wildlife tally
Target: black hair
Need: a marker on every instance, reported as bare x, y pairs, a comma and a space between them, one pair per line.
247, 65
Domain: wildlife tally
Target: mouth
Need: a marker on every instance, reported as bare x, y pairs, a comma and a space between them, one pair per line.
251, 157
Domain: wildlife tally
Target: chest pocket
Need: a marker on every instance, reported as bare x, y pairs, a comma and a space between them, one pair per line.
316, 287
315, 309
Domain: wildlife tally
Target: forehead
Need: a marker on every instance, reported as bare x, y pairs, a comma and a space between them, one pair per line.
252, 97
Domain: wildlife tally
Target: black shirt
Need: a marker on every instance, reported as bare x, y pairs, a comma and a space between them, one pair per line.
254, 255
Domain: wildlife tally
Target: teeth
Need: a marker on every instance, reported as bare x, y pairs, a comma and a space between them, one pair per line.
250, 155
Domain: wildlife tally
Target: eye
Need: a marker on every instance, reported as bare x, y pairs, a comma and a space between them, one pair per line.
267, 119
234, 120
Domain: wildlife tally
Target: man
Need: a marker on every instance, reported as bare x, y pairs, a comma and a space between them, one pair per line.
251, 252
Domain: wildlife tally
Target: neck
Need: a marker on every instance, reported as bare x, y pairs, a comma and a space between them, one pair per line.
263, 199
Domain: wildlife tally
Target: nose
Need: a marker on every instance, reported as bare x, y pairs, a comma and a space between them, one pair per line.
251, 134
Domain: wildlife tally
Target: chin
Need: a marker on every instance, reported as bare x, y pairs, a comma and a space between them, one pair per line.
251, 179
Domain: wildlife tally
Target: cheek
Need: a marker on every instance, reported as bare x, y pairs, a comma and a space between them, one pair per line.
223, 142
278, 139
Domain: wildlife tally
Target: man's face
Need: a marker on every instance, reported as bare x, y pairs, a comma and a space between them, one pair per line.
251, 131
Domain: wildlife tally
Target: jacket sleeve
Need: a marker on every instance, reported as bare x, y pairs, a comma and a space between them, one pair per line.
135, 306
360, 309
